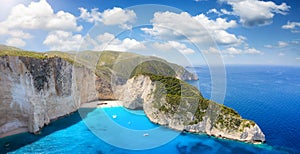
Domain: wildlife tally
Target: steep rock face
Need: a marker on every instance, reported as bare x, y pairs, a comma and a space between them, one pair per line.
135, 92
183, 74
35, 91
212, 118
104, 88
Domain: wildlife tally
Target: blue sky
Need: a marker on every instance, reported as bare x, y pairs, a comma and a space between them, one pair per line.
184, 31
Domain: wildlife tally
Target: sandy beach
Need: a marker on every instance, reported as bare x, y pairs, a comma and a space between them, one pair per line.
95, 104
102, 104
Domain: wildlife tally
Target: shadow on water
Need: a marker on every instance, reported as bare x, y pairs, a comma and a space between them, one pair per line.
196, 147
260, 148
14, 142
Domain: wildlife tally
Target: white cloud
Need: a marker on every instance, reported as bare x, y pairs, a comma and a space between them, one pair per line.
118, 16
232, 51
281, 54
162, 46
224, 11
215, 11
107, 41
3, 29
40, 15
105, 38
173, 45
20, 34
236, 51
125, 45
255, 12
63, 41
63, 21
298, 58
282, 44
16, 33
293, 26
268, 46
218, 24
252, 51
199, 28
114, 16
224, 37
91, 17
212, 50
17, 42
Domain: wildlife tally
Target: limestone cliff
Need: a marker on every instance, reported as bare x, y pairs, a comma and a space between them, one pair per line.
181, 107
37, 88
35, 91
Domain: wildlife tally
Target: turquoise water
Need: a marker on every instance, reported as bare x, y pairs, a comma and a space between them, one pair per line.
77, 138
267, 95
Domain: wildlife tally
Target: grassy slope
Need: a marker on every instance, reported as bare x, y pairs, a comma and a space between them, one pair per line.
13, 51
122, 64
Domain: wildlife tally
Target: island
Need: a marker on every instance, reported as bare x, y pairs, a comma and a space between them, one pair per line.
39, 87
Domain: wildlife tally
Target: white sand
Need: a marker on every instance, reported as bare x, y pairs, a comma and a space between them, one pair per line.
102, 104
95, 104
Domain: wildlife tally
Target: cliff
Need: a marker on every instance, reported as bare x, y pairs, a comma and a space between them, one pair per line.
39, 87
170, 102
35, 91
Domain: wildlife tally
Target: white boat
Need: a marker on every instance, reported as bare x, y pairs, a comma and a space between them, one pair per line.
114, 116
146, 134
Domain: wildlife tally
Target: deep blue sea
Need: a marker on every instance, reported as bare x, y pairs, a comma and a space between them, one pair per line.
269, 95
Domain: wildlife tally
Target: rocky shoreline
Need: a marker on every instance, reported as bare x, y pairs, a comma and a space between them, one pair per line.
140, 92
39, 90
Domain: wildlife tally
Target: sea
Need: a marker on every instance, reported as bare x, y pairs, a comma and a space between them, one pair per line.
268, 95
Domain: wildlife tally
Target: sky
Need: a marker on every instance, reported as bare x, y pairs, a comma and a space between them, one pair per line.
186, 32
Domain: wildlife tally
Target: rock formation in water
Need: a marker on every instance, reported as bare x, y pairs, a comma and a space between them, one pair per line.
172, 103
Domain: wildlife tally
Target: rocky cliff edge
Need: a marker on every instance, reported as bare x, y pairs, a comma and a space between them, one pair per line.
180, 106
35, 91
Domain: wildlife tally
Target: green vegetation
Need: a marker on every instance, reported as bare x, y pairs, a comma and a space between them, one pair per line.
154, 67
177, 93
229, 111
64, 55
180, 96
201, 110
126, 65
12, 51
231, 120
121, 64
